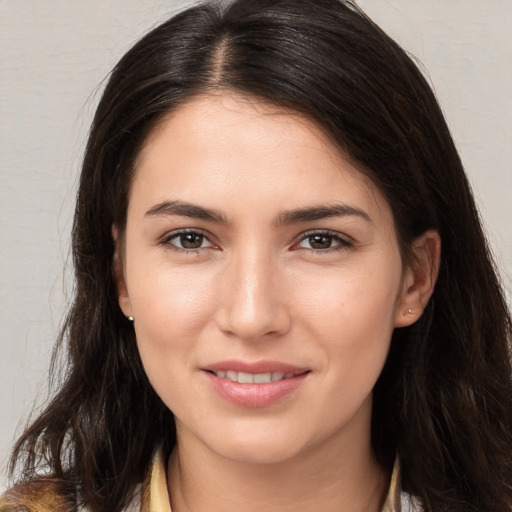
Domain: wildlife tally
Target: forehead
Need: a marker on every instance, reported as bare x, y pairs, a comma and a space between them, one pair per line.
219, 148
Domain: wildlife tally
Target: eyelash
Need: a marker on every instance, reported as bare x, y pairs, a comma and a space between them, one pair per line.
167, 240
343, 243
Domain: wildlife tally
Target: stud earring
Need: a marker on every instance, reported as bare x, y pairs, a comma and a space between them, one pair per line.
409, 312
130, 319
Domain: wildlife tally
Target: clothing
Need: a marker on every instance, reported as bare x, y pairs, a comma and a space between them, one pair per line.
154, 496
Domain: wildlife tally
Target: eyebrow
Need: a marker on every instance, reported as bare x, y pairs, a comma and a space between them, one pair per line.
287, 217
320, 212
187, 210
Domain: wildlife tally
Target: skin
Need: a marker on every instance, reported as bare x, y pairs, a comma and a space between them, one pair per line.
259, 286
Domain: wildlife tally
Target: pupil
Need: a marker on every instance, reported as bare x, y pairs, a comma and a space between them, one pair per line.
191, 241
320, 241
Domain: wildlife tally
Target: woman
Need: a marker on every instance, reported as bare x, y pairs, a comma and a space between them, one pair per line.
275, 240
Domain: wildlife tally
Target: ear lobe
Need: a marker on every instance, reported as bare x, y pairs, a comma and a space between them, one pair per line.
419, 278
119, 274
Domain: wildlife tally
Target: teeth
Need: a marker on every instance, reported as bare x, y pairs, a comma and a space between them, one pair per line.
261, 378
253, 378
245, 378
231, 375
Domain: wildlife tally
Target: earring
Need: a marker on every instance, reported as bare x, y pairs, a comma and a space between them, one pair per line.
409, 312
130, 319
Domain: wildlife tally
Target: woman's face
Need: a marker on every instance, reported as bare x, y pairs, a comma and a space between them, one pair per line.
265, 279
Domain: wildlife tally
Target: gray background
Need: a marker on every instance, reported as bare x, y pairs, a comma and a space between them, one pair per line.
54, 54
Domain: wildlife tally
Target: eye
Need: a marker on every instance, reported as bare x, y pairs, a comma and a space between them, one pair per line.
187, 240
323, 241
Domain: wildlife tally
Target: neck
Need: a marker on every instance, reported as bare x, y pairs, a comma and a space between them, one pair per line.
335, 477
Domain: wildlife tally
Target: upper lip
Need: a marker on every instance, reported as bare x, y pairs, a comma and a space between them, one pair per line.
255, 367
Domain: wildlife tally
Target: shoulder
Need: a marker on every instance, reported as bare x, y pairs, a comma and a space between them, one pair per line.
48, 495
39, 495
408, 503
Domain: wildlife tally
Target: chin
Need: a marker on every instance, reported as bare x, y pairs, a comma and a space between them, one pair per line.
263, 453
258, 446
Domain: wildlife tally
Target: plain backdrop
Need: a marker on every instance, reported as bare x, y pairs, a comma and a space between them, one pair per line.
54, 56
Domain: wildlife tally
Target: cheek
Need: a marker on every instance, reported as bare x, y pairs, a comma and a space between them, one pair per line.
352, 316
171, 308
352, 298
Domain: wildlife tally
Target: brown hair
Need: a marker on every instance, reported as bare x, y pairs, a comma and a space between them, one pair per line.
39, 495
443, 403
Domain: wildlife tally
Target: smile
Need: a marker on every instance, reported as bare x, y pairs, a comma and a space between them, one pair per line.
253, 378
255, 384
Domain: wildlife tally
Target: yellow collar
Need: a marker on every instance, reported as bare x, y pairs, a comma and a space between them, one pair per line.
155, 495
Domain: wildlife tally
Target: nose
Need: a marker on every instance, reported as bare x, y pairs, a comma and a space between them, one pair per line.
251, 302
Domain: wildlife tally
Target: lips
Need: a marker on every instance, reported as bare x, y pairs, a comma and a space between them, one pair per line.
258, 384
253, 378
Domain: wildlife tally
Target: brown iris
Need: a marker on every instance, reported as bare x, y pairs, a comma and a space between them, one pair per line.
320, 241
191, 240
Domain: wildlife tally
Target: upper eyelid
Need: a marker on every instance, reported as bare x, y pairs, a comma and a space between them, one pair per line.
345, 242
178, 231
299, 238
169, 235
329, 232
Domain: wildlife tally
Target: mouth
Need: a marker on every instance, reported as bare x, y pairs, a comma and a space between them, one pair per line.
255, 378
255, 384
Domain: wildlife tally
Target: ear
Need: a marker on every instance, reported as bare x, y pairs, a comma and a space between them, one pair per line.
119, 274
419, 278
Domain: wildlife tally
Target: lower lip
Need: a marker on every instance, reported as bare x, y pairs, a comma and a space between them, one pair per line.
255, 395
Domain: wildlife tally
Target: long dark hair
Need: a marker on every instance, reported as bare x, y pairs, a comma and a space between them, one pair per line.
443, 403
